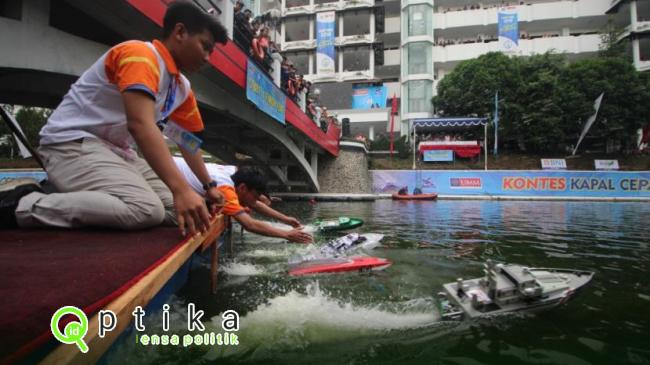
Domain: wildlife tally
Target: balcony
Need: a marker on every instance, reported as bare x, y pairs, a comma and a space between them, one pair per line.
355, 39
309, 44
312, 8
569, 45
641, 27
527, 13
299, 45
362, 75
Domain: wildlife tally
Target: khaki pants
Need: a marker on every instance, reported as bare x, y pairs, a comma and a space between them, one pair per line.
97, 188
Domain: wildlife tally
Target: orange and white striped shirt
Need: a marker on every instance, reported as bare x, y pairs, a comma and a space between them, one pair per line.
94, 106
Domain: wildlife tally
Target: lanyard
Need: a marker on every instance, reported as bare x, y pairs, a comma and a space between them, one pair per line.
169, 99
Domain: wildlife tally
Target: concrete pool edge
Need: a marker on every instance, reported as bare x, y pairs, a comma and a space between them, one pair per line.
334, 197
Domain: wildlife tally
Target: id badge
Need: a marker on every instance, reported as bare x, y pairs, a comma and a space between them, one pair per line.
184, 139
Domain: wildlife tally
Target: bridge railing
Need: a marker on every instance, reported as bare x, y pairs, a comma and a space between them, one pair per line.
230, 60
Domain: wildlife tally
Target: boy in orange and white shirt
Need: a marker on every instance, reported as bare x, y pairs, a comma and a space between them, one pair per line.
88, 142
242, 189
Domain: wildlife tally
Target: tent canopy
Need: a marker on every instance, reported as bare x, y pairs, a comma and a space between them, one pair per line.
449, 122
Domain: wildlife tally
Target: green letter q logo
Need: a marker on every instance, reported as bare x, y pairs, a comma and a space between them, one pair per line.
73, 332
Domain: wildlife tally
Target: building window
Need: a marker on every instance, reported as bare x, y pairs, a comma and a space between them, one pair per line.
296, 29
270, 4
300, 61
11, 9
356, 59
419, 96
419, 58
419, 21
356, 22
644, 49
317, 2
295, 3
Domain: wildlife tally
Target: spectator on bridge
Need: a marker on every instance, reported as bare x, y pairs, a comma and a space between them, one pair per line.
260, 49
245, 189
87, 143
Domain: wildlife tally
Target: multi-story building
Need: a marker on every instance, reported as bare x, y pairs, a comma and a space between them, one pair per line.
421, 41
633, 16
358, 28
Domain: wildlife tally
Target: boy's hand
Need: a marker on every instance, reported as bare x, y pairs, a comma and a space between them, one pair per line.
293, 222
215, 200
191, 212
297, 235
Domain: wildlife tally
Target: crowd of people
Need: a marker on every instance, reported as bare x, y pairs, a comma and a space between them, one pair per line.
252, 34
491, 38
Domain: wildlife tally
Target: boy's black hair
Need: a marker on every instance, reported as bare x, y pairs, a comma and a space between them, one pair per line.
253, 177
195, 20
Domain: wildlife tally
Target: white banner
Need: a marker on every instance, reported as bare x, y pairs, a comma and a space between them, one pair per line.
554, 164
606, 164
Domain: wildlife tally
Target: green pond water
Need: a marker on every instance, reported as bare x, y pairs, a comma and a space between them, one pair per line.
390, 317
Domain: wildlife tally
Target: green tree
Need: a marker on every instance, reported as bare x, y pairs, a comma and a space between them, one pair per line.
626, 103
528, 88
611, 44
544, 101
30, 120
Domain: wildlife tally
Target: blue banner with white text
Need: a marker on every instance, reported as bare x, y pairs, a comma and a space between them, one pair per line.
325, 37
508, 30
517, 183
262, 92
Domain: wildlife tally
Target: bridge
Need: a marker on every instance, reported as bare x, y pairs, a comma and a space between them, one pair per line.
47, 44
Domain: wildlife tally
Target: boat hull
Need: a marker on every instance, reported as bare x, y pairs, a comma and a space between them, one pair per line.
460, 303
334, 225
432, 196
338, 265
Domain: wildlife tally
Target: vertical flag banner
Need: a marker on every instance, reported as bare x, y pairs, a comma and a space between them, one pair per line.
325, 54
508, 30
590, 122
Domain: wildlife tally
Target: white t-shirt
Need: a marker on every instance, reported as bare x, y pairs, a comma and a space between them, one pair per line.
219, 173
94, 106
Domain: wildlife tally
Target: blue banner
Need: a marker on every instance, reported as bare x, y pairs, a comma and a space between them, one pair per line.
517, 183
508, 30
369, 97
438, 155
325, 37
263, 93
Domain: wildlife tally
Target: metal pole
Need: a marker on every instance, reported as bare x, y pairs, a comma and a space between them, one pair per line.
413, 168
485, 144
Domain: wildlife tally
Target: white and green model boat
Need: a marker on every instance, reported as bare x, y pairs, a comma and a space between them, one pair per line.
510, 288
338, 224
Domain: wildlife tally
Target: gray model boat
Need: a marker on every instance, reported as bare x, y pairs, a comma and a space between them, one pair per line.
510, 288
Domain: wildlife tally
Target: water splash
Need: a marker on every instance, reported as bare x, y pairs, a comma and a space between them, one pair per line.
296, 320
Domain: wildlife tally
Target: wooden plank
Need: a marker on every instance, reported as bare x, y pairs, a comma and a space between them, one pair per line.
213, 235
138, 295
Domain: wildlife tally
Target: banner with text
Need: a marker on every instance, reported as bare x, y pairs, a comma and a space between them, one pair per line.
325, 36
369, 97
262, 92
508, 30
517, 183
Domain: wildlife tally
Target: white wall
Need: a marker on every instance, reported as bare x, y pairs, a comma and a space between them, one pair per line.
391, 57
526, 13
570, 45
391, 25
